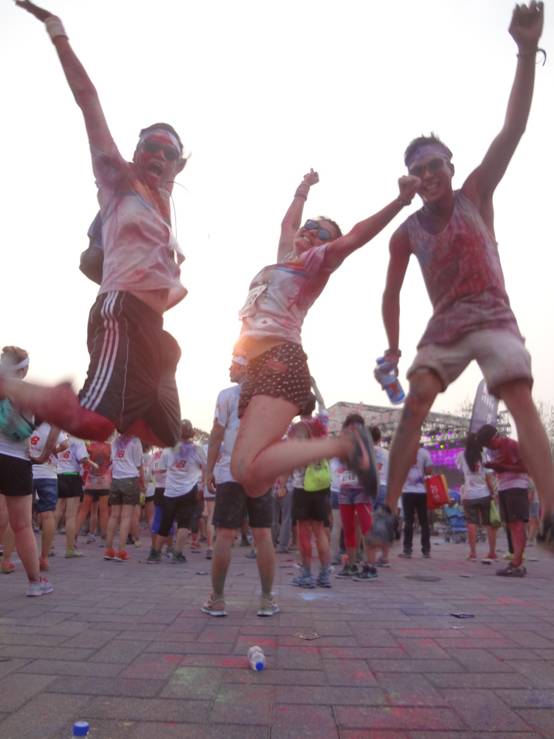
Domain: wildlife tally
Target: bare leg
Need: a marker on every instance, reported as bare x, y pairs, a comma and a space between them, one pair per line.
113, 523
491, 536
472, 539
265, 559
210, 505
93, 518
335, 533
8, 541
104, 515
517, 530
71, 508
221, 560
322, 543
20, 513
305, 544
424, 388
260, 455
125, 525
533, 441
48, 525
84, 511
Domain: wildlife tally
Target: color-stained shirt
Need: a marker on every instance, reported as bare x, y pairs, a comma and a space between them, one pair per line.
226, 415
184, 470
508, 453
415, 482
126, 457
280, 296
140, 251
100, 454
462, 273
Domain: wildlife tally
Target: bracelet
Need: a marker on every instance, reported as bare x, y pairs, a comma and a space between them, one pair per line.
538, 50
54, 27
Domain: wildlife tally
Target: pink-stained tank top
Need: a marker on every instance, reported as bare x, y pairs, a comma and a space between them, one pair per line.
462, 273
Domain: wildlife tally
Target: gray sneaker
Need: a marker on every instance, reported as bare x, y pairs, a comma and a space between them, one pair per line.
348, 571
268, 606
323, 579
368, 573
511, 571
178, 558
154, 557
304, 581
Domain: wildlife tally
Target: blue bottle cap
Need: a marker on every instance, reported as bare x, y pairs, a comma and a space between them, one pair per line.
259, 666
80, 728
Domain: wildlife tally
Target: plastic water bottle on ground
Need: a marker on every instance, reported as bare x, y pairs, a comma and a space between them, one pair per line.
80, 728
386, 377
256, 658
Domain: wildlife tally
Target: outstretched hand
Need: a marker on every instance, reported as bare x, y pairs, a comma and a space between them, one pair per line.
526, 25
33, 9
312, 178
408, 186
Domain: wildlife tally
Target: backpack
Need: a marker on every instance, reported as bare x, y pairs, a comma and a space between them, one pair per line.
317, 476
13, 424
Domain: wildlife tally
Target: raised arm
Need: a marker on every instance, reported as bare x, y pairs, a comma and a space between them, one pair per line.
526, 29
398, 263
364, 231
293, 217
79, 82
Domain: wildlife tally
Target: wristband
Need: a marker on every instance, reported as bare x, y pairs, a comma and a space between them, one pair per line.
54, 27
538, 50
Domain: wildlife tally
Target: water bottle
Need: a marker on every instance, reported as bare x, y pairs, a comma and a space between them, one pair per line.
256, 658
80, 728
388, 380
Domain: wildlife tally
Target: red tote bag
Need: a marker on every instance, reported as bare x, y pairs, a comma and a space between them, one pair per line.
437, 491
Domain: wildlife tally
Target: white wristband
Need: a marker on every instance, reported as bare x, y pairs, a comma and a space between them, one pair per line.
54, 27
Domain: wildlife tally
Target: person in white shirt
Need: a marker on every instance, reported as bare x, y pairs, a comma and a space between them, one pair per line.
127, 483
414, 499
44, 443
185, 468
70, 490
382, 459
478, 493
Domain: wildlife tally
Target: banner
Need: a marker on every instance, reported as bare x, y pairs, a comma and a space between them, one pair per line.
485, 408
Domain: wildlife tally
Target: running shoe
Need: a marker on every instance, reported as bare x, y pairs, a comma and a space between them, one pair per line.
426, 555
251, 555
41, 587
7, 568
383, 562
324, 579
362, 459
268, 606
73, 553
368, 572
348, 571
121, 556
154, 557
214, 607
178, 558
91, 539
196, 548
304, 581
209, 553
405, 555
382, 530
511, 571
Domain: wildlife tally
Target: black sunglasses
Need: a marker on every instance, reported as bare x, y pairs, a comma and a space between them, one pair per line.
322, 233
152, 147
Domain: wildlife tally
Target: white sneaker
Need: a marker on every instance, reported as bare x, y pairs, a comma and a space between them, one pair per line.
268, 607
41, 587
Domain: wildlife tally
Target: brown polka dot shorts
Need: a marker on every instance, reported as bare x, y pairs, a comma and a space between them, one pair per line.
280, 372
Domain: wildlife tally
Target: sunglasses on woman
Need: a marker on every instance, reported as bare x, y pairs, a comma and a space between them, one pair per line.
153, 147
323, 234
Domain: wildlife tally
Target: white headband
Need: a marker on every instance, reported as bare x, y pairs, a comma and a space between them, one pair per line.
237, 359
16, 367
427, 150
162, 133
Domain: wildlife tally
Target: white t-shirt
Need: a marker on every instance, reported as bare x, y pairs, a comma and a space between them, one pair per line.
382, 459
69, 461
126, 457
335, 465
414, 482
227, 415
475, 483
159, 467
37, 440
11, 448
185, 464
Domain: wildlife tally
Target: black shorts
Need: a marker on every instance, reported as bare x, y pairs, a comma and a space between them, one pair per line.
159, 496
514, 505
16, 476
70, 486
478, 511
180, 509
232, 505
196, 516
311, 506
280, 372
97, 494
131, 374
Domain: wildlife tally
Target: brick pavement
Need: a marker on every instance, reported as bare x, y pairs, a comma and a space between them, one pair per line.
125, 647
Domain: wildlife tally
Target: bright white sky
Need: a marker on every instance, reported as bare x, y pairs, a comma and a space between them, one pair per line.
260, 92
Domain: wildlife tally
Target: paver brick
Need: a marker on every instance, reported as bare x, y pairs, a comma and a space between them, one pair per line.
17, 689
43, 716
291, 721
106, 686
398, 717
148, 709
482, 710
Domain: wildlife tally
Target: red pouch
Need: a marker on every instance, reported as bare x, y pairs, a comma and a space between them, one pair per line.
437, 491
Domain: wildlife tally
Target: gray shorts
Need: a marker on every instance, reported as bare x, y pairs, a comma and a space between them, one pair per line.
500, 354
125, 491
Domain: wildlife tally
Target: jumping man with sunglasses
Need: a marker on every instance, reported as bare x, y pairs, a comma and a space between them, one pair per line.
277, 386
131, 377
452, 236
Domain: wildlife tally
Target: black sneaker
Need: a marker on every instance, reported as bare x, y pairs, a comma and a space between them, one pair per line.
362, 460
348, 571
154, 557
382, 531
369, 572
178, 558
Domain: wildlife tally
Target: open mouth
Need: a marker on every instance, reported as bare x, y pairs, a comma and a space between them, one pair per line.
155, 168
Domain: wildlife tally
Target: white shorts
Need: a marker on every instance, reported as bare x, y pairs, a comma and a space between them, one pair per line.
500, 354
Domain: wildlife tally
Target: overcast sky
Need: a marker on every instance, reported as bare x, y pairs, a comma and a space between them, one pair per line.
260, 92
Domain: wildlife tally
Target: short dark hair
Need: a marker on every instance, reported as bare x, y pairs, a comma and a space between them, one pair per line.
353, 418
165, 127
414, 145
375, 432
485, 434
187, 429
332, 222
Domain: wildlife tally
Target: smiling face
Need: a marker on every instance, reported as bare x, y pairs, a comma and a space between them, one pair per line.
432, 165
314, 233
158, 158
